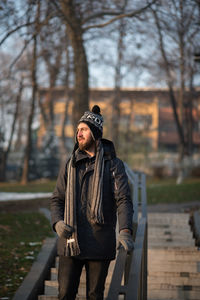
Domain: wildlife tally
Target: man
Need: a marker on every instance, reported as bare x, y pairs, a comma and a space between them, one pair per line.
90, 189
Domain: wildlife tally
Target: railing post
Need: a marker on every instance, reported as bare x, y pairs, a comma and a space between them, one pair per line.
145, 262
145, 253
143, 195
135, 205
134, 180
134, 265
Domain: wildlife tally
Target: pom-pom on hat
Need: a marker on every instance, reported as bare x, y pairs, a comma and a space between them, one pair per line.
94, 120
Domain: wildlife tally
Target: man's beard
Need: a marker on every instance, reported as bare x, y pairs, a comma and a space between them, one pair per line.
86, 145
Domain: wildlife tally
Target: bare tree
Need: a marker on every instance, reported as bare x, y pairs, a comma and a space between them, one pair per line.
6, 151
52, 46
177, 27
115, 103
28, 148
79, 18
64, 150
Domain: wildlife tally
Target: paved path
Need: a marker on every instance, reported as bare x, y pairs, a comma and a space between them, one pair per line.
173, 259
4, 196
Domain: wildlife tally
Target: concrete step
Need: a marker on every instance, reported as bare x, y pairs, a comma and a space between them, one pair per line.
176, 294
171, 237
170, 232
179, 298
168, 216
169, 227
167, 223
44, 297
173, 219
174, 266
54, 274
173, 280
173, 259
183, 255
51, 288
174, 273
174, 287
183, 230
180, 250
168, 244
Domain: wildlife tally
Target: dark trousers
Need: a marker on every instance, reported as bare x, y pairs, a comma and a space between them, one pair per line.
69, 273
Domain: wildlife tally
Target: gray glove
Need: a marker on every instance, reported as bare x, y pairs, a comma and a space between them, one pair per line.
125, 239
63, 230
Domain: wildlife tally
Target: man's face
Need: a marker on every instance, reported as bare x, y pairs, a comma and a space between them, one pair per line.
84, 137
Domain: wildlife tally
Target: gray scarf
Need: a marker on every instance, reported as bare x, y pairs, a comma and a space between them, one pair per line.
72, 247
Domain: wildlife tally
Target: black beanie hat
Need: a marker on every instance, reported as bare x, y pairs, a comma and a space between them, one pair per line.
94, 120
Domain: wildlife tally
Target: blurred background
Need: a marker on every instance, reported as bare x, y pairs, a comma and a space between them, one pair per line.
138, 60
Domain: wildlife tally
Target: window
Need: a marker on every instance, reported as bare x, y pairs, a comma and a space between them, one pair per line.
142, 121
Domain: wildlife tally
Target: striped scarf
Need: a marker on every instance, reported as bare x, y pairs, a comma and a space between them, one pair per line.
72, 247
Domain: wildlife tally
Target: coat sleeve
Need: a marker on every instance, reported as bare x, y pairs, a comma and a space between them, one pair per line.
122, 195
57, 200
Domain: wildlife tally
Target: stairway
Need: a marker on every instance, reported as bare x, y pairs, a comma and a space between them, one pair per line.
173, 262
51, 286
173, 259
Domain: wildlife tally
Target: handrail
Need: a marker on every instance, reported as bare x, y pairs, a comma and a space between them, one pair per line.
132, 267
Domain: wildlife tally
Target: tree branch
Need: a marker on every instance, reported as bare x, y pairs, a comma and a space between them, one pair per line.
20, 54
119, 15
44, 22
14, 30
61, 12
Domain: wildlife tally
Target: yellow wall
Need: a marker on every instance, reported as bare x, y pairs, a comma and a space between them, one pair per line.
127, 108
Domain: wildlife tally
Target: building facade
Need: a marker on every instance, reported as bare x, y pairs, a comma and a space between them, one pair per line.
145, 113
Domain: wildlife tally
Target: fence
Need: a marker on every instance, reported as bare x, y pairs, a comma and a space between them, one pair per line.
129, 279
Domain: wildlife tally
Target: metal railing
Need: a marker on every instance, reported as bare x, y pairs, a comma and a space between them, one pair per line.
129, 278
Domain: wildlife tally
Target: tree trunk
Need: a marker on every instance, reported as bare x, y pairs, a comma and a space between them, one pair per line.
64, 150
18, 100
183, 146
190, 118
48, 112
75, 34
115, 104
18, 143
28, 149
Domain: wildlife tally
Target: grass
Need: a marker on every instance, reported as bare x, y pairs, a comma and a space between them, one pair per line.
167, 191
39, 186
21, 236
158, 190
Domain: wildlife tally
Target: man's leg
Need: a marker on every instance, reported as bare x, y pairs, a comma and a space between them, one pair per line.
96, 272
69, 272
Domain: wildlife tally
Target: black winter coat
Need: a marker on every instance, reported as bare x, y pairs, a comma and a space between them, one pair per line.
95, 241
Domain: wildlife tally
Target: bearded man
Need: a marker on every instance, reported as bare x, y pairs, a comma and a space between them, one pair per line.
92, 189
